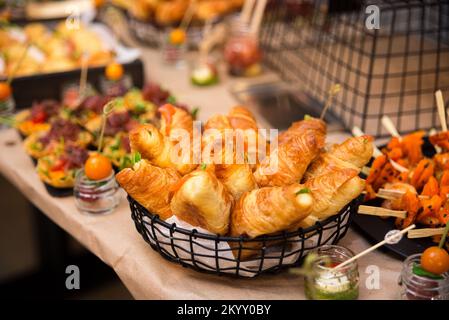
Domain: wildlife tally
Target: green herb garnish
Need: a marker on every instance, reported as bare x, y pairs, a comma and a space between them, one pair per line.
171, 99
203, 166
194, 112
136, 157
141, 107
419, 271
303, 190
308, 117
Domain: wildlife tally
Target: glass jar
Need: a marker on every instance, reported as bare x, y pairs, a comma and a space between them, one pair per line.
414, 287
96, 196
116, 88
325, 283
242, 52
173, 53
7, 108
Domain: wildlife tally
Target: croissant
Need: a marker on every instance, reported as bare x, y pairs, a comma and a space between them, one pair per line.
287, 164
270, 209
150, 186
353, 153
314, 125
159, 150
202, 200
237, 177
175, 118
331, 193
242, 118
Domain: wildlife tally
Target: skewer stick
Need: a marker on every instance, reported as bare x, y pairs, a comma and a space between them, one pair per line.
361, 254
425, 232
382, 212
390, 127
257, 16
332, 92
441, 111
107, 110
204, 46
432, 132
247, 8
394, 194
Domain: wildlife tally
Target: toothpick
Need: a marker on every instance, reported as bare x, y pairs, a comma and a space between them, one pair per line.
390, 127
361, 254
441, 111
247, 8
257, 16
107, 110
204, 45
395, 194
332, 92
432, 132
381, 212
424, 233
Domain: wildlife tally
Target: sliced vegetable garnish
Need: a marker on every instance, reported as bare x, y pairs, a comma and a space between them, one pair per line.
303, 190
419, 271
195, 112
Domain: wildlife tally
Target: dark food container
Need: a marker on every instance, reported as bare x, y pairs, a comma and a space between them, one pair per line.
37, 87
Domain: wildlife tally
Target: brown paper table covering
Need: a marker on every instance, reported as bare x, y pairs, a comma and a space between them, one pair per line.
114, 240
147, 275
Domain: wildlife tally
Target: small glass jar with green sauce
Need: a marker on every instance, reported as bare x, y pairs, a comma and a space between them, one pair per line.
325, 283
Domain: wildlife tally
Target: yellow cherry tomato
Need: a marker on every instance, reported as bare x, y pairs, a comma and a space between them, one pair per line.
177, 36
98, 3
114, 71
97, 167
5, 91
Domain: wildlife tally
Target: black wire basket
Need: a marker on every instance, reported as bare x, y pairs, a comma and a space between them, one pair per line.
238, 256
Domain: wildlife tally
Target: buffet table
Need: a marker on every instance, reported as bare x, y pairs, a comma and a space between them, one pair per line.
147, 275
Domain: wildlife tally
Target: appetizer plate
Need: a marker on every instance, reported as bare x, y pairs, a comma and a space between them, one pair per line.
374, 228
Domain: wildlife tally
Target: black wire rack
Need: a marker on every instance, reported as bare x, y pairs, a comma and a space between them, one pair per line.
238, 256
393, 70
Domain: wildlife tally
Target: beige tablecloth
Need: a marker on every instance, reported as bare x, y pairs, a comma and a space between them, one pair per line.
113, 238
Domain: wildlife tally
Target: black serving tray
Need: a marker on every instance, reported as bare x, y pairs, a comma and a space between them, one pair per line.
37, 87
374, 228
58, 192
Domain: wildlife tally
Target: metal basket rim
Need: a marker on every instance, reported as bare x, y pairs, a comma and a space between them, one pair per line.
319, 225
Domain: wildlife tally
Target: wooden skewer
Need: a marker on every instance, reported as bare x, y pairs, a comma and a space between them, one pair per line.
424, 233
357, 132
441, 111
395, 194
372, 248
257, 17
19, 63
390, 127
382, 212
247, 8
83, 77
332, 92
431, 133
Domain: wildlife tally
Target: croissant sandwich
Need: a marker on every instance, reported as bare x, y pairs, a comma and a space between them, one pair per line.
150, 186
331, 193
287, 164
353, 153
202, 200
159, 150
175, 118
309, 124
270, 209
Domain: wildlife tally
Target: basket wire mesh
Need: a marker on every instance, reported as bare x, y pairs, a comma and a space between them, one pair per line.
237, 256
393, 70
